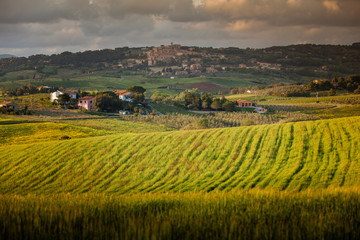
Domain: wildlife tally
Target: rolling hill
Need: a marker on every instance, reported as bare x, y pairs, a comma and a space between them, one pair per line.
6, 56
292, 156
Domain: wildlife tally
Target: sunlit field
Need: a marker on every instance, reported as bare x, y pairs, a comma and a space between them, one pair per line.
254, 214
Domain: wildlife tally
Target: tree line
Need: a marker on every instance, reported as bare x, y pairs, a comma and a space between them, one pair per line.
350, 84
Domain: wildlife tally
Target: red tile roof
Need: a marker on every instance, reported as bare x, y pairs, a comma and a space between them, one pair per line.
70, 92
87, 98
5, 103
120, 92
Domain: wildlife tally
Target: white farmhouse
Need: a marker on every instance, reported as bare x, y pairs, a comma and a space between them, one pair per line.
124, 95
54, 96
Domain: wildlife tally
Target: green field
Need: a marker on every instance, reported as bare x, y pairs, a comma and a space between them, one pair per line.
295, 180
16, 132
292, 156
116, 124
254, 214
112, 79
269, 100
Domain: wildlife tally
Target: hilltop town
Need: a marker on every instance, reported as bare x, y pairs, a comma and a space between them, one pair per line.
289, 64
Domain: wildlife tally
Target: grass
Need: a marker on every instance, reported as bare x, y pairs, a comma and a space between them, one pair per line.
117, 124
18, 132
254, 214
102, 80
283, 181
339, 112
303, 100
118, 179
221, 119
168, 109
291, 156
269, 100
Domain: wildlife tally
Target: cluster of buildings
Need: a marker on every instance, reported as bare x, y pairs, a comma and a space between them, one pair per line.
164, 53
193, 69
9, 106
190, 61
172, 51
86, 102
249, 104
262, 65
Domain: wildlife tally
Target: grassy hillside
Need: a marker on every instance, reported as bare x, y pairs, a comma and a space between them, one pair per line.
341, 99
292, 156
17, 132
105, 80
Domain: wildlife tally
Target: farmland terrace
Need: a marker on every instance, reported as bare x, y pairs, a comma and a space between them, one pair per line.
292, 156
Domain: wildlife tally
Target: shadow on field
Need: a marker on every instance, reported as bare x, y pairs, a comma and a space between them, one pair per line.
14, 122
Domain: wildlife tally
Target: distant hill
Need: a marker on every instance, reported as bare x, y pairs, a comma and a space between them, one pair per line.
223, 67
6, 56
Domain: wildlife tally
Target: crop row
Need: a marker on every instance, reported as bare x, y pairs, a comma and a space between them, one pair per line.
221, 119
292, 156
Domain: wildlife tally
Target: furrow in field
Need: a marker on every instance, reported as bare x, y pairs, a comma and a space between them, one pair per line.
352, 168
274, 146
281, 167
236, 173
301, 177
188, 179
207, 166
329, 165
264, 161
126, 162
30, 173
292, 156
155, 163
249, 158
84, 177
176, 167
224, 170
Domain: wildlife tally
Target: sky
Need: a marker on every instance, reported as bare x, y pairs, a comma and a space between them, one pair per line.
30, 27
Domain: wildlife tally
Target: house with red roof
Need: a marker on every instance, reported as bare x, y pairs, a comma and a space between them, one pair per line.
243, 103
124, 95
9, 105
86, 103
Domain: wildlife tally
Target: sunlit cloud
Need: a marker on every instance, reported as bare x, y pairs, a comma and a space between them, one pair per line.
58, 25
331, 6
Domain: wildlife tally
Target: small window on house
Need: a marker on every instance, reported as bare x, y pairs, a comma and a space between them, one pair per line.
84, 101
80, 101
90, 101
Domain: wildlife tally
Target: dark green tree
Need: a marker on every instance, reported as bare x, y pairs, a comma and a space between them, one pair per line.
136, 89
202, 123
105, 102
206, 100
138, 98
216, 104
64, 99
189, 98
228, 106
332, 92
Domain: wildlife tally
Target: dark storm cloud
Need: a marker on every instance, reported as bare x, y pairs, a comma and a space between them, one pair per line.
287, 12
57, 25
26, 11
274, 12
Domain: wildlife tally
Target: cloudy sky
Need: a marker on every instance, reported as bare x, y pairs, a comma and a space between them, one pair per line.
52, 26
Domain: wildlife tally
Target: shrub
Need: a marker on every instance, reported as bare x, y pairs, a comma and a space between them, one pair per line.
332, 92
202, 123
65, 137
